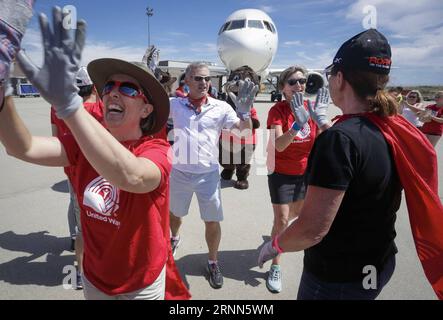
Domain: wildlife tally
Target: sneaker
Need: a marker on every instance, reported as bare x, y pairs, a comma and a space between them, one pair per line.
273, 283
215, 276
78, 281
174, 245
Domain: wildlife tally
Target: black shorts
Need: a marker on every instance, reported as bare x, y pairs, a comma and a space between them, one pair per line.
286, 188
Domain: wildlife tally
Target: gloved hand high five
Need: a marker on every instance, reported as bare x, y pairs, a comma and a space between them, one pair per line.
56, 78
14, 17
319, 111
245, 97
298, 108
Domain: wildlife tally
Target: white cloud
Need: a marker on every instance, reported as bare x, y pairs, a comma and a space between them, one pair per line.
413, 28
292, 43
267, 9
96, 49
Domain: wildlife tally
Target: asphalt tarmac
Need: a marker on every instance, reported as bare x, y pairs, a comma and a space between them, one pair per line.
34, 238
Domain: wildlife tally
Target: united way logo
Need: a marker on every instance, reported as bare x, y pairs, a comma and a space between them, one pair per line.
102, 197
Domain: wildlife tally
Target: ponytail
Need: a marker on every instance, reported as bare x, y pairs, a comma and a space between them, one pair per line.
370, 87
383, 104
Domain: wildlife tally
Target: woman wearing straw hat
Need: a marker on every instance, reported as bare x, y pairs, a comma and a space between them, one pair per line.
121, 173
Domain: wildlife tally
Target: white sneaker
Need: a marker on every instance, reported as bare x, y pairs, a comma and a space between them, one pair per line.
273, 283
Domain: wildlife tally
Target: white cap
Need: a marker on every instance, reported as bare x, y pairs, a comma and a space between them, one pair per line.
83, 78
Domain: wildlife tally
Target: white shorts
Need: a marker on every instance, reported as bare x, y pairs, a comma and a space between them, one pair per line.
207, 188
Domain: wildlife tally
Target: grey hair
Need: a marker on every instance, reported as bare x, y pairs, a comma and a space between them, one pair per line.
418, 93
284, 76
194, 65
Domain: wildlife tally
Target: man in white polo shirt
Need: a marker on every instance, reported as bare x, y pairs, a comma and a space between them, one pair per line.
198, 121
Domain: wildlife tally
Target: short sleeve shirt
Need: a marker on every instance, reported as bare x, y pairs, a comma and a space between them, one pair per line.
124, 243
294, 159
196, 135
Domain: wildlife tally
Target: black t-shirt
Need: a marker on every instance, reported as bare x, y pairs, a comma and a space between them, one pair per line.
354, 156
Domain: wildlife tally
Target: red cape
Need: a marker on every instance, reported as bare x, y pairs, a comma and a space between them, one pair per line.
175, 288
416, 163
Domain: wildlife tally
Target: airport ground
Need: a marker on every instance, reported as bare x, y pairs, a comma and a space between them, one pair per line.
34, 238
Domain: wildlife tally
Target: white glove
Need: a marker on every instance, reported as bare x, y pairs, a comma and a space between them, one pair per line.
298, 108
245, 97
267, 252
319, 111
56, 79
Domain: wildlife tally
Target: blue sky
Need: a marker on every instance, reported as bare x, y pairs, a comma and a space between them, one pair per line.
310, 32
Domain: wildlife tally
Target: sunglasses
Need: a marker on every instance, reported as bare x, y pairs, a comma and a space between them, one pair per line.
127, 89
329, 72
200, 78
301, 81
412, 97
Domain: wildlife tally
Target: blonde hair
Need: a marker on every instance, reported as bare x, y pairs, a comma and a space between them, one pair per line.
418, 93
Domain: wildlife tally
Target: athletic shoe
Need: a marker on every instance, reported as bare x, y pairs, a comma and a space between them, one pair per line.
215, 275
273, 283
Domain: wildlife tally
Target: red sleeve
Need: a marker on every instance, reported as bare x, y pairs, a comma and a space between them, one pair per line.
275, 117
157, 151
254, 114
71, 148
53, 116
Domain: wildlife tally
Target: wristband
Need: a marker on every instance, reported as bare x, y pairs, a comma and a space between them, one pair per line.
295, 126
244, 116
276, 246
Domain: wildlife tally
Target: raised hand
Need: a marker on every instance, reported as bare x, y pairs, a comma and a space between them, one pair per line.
245, 97
300, 113
62, 55
14, 17
319, 110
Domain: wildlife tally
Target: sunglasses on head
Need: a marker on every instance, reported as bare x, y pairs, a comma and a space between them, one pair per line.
127, 89
300, 81
200, 78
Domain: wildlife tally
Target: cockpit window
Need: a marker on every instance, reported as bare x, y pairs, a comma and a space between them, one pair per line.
224, 27
237, 24
255, 24
269, 26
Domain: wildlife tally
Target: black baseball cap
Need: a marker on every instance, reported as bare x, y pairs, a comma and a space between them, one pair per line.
366, 51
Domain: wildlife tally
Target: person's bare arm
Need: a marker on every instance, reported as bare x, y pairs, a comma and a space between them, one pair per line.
319, 210
19, 142
282, 140
110, 158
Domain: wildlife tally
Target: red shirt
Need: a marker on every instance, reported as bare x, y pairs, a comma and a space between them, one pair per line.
125, 248
180, 92
434, 128
294, 159
227, 135
94, 108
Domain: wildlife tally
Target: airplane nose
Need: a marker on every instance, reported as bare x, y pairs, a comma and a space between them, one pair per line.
236, 50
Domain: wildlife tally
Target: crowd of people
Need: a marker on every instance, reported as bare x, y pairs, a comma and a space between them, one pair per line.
335, 186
